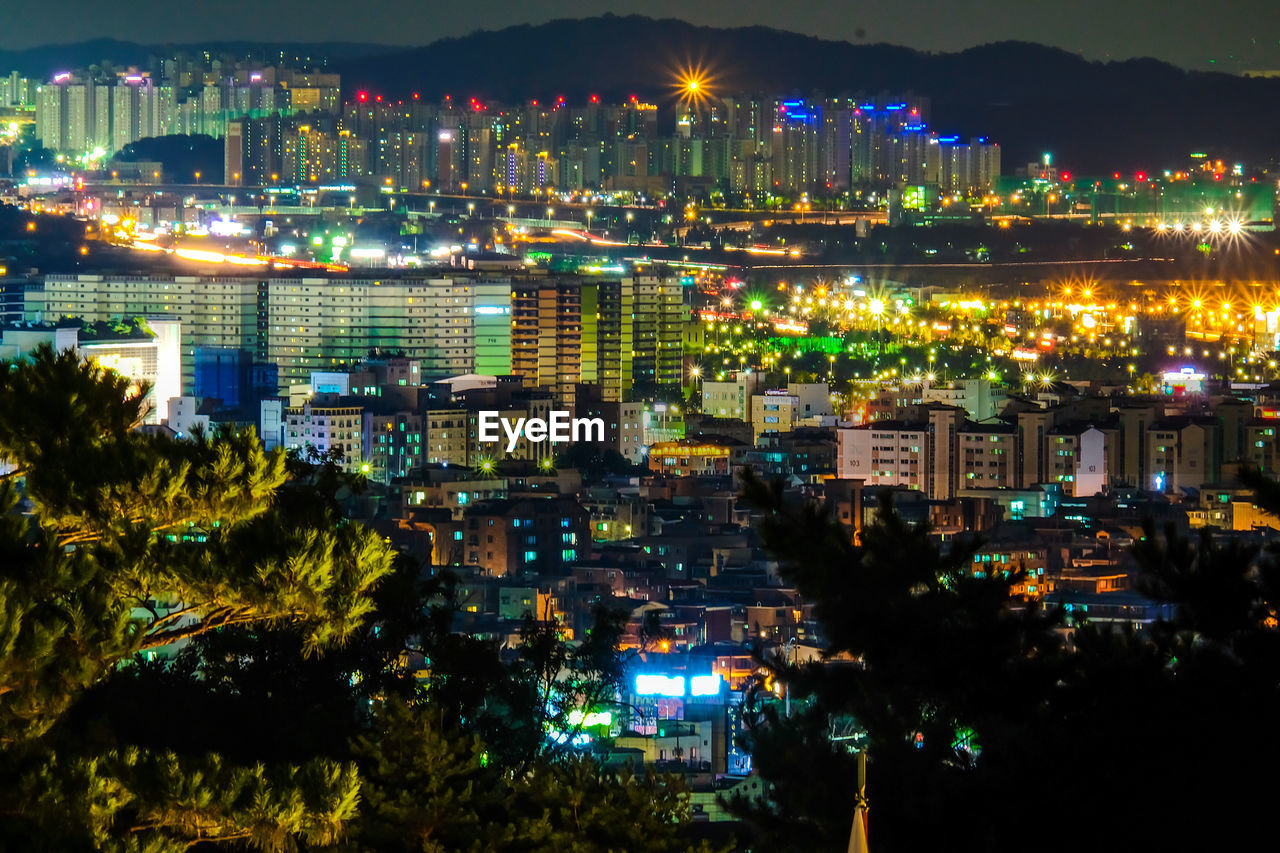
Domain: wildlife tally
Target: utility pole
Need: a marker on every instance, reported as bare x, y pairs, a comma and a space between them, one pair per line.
790, 652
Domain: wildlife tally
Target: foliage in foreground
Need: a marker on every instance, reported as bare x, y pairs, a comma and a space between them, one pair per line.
288, 720
985, 729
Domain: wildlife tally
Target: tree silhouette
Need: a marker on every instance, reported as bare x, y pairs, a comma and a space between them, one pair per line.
969, 704
115, 542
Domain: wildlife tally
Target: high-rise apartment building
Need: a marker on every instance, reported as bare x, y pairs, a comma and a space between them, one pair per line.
659, 317
51, 115
214, 311
17, 91
618, 333
319, 323
452, 325
233, 157
312, 155
82, 114
963, 167
546, 335
608, 336
796, 136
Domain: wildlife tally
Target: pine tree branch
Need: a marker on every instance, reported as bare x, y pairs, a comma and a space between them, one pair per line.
80, 537
218, 839
170, 616
213, 622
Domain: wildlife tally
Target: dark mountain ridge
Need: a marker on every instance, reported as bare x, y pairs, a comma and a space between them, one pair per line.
1139, 114
45, 60
1094, 116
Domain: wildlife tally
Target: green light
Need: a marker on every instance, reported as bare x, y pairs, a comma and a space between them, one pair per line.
756, 304
364, 468
591, 718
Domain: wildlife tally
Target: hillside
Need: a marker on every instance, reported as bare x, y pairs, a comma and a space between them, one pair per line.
41, 62
1133, 115
1138, 114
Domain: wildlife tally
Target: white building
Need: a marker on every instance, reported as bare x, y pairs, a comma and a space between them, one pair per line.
327, 426
732, 398
183, 419
451, 326
975, 396
214, 311
1091, 463
736, 398
331, 382
885, 453
154, 360
813, 399
271, 424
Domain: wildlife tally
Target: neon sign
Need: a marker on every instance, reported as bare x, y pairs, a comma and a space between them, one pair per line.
705, 685
674, 685
659, 685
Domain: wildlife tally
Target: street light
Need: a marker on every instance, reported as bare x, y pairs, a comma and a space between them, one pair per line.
876, 307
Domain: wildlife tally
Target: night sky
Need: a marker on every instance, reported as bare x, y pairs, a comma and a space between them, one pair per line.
1235, 35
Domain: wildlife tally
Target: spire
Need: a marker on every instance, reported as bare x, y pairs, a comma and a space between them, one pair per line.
858, 832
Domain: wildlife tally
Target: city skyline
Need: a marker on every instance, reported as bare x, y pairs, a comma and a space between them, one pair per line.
997, 91
623, 434
1240, 37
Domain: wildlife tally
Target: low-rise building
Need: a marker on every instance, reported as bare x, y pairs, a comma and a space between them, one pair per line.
516, 536
328, 424
689, 458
